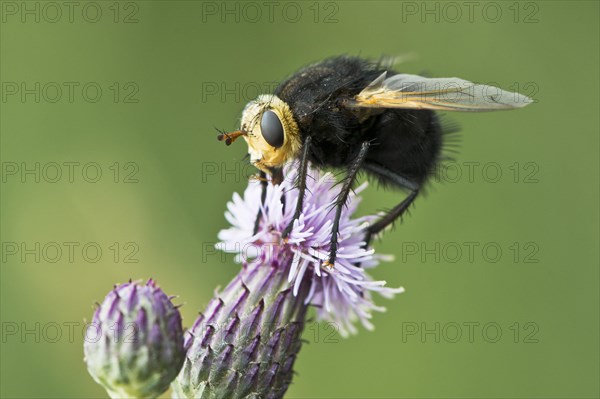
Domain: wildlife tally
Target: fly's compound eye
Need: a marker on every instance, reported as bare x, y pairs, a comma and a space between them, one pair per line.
272, 129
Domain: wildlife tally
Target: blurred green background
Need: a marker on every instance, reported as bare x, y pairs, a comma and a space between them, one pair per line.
134, 90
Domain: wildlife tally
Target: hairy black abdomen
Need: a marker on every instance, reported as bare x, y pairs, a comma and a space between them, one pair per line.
407, 142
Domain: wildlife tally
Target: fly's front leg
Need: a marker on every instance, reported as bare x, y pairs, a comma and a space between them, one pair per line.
263, 185
343, 198
399, 209
301, 185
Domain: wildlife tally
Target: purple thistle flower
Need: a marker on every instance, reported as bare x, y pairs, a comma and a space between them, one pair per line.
134, 345
245, 343
342, 295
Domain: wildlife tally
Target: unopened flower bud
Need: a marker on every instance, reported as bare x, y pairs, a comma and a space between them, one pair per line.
134, 345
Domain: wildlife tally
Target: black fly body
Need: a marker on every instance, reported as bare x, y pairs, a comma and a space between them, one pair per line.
354, 115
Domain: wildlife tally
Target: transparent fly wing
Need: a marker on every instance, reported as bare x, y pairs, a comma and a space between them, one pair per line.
447, 94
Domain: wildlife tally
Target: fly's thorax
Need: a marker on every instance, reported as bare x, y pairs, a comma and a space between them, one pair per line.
272, 133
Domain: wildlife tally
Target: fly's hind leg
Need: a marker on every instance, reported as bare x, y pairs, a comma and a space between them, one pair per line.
342, 198
399, 209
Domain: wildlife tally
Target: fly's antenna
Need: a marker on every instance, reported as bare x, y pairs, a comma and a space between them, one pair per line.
230, 137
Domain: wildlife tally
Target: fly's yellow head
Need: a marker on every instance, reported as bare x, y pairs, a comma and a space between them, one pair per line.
272, 134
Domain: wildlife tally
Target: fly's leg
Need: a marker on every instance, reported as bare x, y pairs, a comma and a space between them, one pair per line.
399, 209
342, 199
301, 184
263, 185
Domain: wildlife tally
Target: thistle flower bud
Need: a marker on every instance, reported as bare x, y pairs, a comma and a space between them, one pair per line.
244, 345
134, 345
